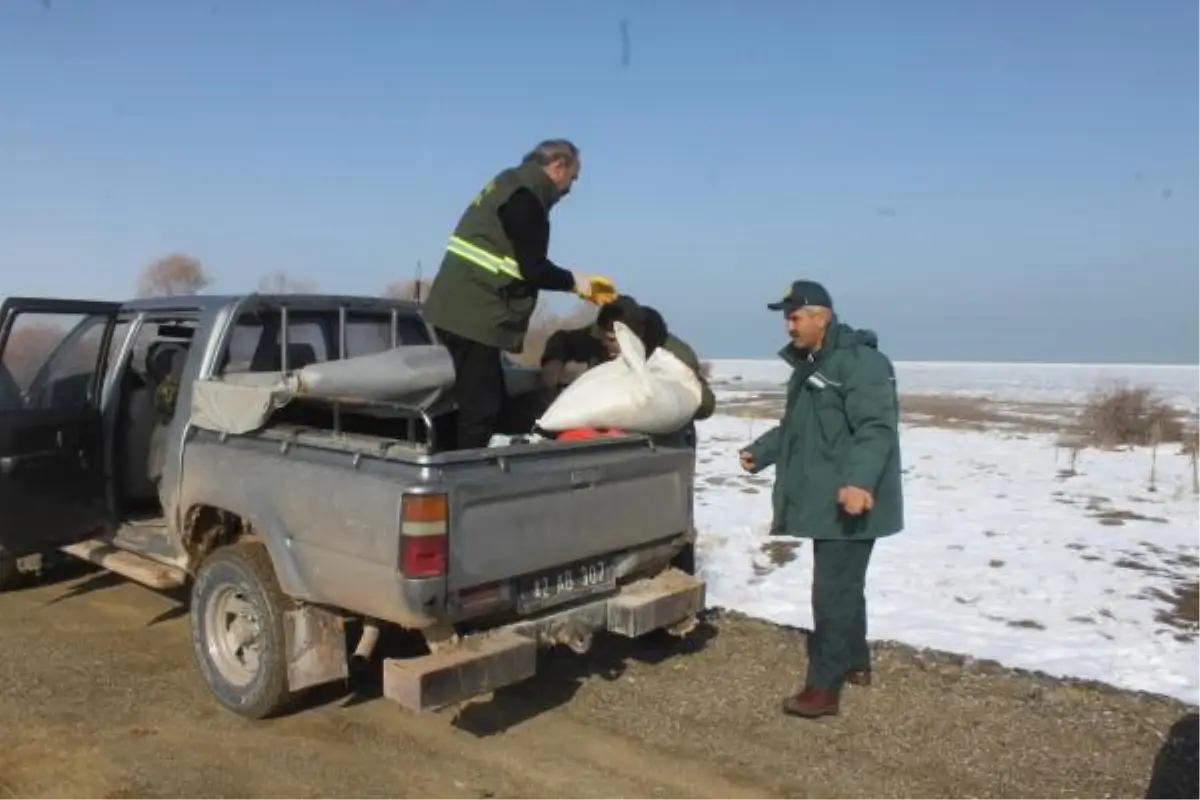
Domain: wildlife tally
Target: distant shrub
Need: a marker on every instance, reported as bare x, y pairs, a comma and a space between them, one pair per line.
706, 369
1129, 415
173, 274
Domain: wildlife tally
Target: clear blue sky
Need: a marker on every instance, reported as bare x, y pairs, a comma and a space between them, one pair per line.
1006, 180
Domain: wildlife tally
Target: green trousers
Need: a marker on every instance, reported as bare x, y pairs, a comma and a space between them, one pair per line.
839, 639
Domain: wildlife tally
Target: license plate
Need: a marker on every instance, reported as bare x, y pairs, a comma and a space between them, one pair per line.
562, 585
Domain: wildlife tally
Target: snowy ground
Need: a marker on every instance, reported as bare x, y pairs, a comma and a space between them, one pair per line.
1009, 382
1007, 554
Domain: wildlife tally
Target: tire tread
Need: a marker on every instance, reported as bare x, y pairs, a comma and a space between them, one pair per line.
253, 559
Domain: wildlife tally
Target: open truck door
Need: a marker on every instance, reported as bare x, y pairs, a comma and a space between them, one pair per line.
53, 355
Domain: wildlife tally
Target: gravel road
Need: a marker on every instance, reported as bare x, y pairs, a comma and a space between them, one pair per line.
99, 697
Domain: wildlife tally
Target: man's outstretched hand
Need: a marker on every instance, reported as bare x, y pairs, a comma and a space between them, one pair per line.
855, 500
595, 288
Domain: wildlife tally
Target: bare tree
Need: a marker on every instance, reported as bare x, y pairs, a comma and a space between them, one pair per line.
279, 282
175, 273
407, 290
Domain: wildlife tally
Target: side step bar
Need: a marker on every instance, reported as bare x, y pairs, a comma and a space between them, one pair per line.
130, 565
487, 661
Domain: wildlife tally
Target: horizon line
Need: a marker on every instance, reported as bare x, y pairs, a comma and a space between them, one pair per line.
984, 362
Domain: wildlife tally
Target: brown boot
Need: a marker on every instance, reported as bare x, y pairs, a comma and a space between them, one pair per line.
812, 703
858, 677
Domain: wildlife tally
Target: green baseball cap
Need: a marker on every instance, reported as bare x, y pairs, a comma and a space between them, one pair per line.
803, 293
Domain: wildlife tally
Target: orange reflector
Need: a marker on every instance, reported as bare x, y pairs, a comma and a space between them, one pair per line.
424, 508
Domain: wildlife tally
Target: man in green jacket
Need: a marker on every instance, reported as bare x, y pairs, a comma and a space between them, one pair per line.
836, 454
487, 287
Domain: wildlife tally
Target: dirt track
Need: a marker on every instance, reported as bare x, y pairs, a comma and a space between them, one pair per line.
99, 697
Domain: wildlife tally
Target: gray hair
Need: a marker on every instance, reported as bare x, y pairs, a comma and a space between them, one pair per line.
551, 150
818, 311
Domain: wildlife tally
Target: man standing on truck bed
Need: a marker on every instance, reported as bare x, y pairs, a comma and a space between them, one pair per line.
836, 454
487, 287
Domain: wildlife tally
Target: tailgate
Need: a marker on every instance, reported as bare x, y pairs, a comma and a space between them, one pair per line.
558, 507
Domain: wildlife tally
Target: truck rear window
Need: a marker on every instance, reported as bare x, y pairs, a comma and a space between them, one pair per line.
256, 342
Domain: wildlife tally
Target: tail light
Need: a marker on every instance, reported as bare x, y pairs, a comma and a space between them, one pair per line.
423, 534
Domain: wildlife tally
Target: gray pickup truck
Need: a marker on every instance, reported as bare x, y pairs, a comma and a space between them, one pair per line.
180, 441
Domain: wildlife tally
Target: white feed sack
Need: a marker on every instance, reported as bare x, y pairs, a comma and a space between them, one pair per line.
656, 395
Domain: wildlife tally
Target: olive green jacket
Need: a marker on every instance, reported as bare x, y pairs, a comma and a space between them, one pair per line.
489, 306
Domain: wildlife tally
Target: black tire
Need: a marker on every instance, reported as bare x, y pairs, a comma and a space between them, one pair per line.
244, 572
685, 559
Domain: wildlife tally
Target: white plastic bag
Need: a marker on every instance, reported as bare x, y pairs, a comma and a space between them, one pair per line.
656, 395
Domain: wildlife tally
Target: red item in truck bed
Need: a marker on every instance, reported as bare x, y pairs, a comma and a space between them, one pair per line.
588, 433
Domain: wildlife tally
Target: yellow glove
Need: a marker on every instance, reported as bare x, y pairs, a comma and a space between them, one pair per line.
595, 289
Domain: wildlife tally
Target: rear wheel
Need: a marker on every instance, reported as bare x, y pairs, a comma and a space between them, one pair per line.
237, 614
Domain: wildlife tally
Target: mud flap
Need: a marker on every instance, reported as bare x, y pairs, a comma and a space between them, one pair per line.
316, 647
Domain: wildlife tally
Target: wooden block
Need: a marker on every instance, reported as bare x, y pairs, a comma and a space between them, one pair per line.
655, 603
473, 666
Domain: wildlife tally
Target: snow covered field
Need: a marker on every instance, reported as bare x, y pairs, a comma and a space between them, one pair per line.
1007, 382
1006, 554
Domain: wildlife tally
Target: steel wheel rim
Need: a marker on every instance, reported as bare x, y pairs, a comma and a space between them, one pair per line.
234, 635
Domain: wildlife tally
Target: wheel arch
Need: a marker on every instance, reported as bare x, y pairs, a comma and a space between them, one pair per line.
207, 527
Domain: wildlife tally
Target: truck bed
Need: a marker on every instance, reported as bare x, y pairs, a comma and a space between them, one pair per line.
528, 507
513, 512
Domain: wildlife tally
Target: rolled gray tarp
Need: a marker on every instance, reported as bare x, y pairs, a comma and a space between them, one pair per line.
414, 375
398, 374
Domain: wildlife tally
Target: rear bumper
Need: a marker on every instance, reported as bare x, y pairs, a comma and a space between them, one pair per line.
487, 661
